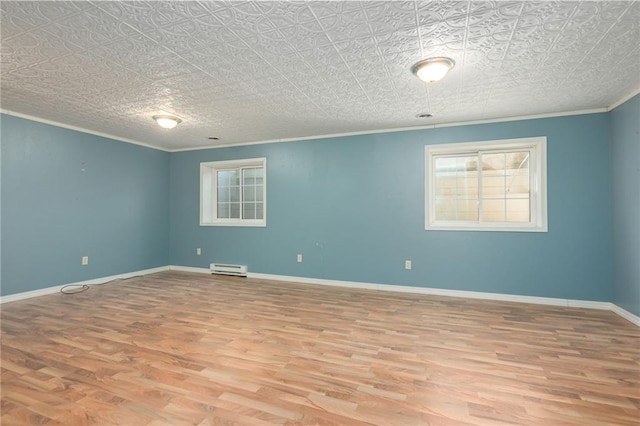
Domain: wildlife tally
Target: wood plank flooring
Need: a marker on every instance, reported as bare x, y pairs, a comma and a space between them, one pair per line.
188, 349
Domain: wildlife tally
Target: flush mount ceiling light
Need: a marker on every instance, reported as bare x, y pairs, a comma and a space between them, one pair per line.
167, 121
432, 69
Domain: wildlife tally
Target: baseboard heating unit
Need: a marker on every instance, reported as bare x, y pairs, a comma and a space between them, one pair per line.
227, 269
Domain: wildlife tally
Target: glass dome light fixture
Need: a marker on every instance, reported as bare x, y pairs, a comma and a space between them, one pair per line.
431, 70
167, 121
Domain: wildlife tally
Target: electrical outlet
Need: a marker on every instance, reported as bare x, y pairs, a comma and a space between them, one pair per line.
85, 260
407, 264
299, 258
198, 251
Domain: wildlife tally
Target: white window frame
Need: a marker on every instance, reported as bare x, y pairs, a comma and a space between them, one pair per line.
209, 193
537, 184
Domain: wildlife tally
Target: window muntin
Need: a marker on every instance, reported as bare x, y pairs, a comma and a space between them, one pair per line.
498, 185
233, 193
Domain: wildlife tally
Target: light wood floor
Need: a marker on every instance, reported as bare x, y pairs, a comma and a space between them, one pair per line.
189, 349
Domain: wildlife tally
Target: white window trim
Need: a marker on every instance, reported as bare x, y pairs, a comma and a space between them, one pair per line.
538, 185
208, 196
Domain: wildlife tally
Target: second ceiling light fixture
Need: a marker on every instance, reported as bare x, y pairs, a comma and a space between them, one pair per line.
431, 70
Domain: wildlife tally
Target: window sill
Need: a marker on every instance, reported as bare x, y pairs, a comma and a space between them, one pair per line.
240, 223
474, 228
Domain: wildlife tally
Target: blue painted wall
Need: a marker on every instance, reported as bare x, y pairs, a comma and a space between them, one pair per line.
354, 207
625, 160
53, 212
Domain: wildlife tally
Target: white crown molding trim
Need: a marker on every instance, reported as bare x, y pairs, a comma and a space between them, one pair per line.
401, 129
79, 129
626, 314
95, 281
306, 138
523, 117
326, 136
624, 99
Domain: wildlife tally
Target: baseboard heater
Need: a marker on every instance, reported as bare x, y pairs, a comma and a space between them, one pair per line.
227, 269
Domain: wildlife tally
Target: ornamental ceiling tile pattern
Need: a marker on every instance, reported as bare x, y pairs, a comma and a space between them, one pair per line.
247, 71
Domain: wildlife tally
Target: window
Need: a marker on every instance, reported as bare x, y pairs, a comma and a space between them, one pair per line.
233, 193
487, 186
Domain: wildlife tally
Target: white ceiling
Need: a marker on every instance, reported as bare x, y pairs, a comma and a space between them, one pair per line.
256, 71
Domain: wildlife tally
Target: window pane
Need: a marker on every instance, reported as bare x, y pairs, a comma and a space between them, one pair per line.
493, 184
456, 185
234, 210
248, 210
259, 210
493, 210
493, 161
467, 210
445, 185
466, 164
459, 209
259, 174
223, 195
228, 177
517, 163
467, 187
518, 186
249, 193
259, 193
234, 177
505, 176
234, 194
518, 210
453, 165
249, 176
445, 209
223, 178
227, 191
223, 210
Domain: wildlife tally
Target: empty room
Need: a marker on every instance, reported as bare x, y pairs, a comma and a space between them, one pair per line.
320, 213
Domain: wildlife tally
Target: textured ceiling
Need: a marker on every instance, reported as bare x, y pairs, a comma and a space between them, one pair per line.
256, 71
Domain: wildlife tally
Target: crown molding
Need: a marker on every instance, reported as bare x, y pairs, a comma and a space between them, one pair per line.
79, 129
403, 129
331, 135
624, 99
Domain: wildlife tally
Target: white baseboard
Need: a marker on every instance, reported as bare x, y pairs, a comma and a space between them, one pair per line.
572, 303
441, 292
318, 281
95, 281
189, 269
626, 314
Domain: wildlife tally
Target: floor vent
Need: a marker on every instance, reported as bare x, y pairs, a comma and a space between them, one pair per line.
227, 269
